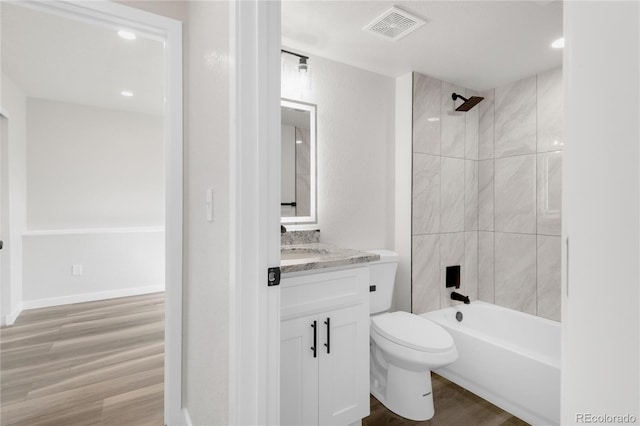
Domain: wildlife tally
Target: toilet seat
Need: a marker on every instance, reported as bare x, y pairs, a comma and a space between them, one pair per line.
412, 331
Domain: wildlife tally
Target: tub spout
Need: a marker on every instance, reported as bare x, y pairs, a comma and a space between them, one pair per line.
460, 298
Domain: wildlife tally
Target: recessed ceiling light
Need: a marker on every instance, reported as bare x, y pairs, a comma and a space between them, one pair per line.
558, 44
127, 35
126, 93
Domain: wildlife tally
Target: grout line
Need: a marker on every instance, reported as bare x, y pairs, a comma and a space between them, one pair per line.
536, 195
439, 277
493, 184
517, 155
413, 76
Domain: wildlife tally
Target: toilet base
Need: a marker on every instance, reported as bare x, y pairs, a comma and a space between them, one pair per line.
406, 393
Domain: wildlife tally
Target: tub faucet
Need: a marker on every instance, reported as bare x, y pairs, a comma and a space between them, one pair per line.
460, 298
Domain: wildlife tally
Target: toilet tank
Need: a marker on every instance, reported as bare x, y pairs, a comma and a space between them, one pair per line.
383, 277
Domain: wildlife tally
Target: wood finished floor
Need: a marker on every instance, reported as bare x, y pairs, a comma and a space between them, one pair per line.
101, 363
94, 363
454, 406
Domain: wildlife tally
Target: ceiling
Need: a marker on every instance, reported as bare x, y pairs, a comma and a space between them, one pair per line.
57, 58
475, 44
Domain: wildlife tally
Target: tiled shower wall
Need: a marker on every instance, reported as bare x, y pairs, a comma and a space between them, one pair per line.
303, 172
520, 183
487, 194
445, 193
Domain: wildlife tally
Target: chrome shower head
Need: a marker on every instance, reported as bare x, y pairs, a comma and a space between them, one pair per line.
468, 103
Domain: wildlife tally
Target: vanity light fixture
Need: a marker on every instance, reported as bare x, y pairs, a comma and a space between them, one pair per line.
127, 35
126, 93
558, 44
303, 65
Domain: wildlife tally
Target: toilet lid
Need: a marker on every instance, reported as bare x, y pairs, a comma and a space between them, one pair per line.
412, 331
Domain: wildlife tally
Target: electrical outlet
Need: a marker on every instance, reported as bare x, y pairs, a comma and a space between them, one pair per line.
76, 270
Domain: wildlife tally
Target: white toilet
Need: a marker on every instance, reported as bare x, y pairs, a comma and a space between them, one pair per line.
404, 348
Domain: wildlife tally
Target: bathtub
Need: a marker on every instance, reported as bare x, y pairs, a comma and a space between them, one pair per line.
509, 358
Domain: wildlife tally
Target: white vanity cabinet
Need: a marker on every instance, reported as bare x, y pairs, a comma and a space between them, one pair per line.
324, 352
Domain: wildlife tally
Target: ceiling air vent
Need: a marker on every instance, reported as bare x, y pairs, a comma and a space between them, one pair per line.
394, 24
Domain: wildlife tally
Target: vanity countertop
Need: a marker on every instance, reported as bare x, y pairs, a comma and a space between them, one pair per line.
305, 257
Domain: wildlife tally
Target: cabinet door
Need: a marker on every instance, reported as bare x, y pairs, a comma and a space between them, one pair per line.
344, 366
299, 372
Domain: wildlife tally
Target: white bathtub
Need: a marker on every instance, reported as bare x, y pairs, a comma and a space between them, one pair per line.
509, 358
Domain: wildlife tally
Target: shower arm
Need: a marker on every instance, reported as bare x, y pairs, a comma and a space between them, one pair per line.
455, 97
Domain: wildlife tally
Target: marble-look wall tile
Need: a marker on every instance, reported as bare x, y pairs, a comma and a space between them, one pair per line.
486, 125
427, 95
486, 266
453, 123
452, 248
303, 195
470, 195
303, 151
515, 118
515, 271
549, 270
452, 195
426, 194
425, 273
485, 195
499, 217
550, 107
515, 194
470, 266
549, 184
471, 132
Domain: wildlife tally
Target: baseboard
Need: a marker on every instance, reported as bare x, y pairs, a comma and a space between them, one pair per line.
13, 316
90, 297
186, 418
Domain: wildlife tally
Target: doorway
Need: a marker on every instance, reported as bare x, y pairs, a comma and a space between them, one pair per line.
111, 17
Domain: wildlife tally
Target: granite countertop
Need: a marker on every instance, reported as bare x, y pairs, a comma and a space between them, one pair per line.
305, 257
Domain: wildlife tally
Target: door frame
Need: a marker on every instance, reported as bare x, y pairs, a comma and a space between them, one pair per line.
108, 13
254, 335
4, 233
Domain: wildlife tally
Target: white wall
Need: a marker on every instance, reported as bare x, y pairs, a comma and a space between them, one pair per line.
403, 190
206, 311
114, 264
600, 306
355, 153
206, 245
13, 100
90, 167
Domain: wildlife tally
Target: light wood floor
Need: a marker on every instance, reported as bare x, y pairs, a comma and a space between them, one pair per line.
102, 363
454, 406
95, 363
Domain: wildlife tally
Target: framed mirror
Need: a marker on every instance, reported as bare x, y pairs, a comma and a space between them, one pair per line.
298, 151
